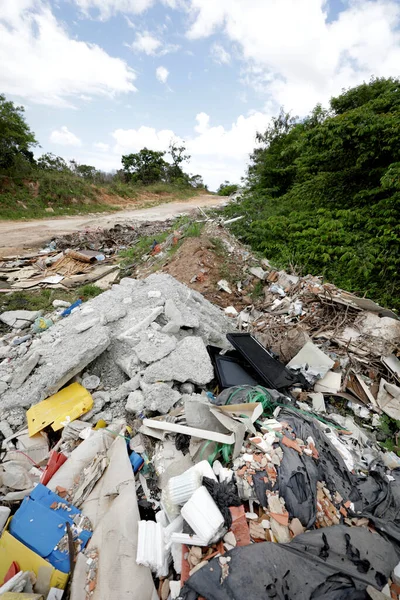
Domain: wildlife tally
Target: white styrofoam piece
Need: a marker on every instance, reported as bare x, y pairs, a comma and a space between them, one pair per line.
161, 518
185, 538
175, 527
204, 469
203, 515
176, 552
181, 487
174, 588
151, 551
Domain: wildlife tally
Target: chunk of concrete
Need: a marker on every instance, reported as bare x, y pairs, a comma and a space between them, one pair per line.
5, 429
24, 371
188, 362
91, 382
160, 398
58, 364
179, 316
187, 388
125, 389
258, 272
135, 402
19, 319
154, 346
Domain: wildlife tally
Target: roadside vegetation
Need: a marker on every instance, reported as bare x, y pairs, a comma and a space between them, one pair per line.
33, 188
323, 193
226, 189
42, 299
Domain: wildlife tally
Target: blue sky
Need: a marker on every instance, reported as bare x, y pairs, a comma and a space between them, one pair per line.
100, 78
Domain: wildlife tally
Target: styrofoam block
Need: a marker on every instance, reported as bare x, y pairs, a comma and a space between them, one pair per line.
203, 515
189, 540
204, 469
182, 487
175, 527
176, 552
175, 588
161, 518
151, 551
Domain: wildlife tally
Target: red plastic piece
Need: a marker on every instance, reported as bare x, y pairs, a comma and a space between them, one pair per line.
55, 461
13, 570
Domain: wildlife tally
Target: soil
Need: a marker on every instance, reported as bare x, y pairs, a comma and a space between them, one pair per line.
18, 236
200, 265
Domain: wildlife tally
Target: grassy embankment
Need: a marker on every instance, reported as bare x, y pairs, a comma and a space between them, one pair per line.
52, 194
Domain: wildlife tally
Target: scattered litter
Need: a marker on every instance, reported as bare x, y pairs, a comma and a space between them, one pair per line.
191, 444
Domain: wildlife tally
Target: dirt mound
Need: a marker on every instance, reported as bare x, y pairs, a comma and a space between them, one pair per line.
201, 262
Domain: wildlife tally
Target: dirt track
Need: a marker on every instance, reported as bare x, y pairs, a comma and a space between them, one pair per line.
18, 235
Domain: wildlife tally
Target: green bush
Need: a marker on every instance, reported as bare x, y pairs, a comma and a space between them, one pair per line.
226, 189
324, 193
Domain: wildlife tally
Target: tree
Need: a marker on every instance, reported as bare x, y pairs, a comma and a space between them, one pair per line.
196, 181
178, 156
51, 162
16, 138
226, 188
146, 166
323, 193
86, 171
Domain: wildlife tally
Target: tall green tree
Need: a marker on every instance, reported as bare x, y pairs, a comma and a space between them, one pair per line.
16, 138
178, 157
146, 166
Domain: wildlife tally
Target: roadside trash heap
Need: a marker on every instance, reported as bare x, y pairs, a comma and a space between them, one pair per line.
89, 256
153, 447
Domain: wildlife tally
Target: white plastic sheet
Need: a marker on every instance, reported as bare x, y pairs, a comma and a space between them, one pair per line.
113, 511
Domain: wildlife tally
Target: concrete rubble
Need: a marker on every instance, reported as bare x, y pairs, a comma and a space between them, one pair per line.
154, 462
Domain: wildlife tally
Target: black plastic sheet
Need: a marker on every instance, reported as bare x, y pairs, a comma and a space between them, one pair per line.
335, 563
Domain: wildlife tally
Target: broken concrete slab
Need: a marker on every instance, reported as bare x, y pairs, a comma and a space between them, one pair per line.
125, 309
59, 363
19, 319
154, 346
188, 362
160, 398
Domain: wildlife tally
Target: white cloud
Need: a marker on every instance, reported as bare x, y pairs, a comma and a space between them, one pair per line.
151, 45
147, 43
133, 140
107, 8
162, 74
42, 63
203, 121
101, 146
219, 54
294, 55
64, 137
217, 153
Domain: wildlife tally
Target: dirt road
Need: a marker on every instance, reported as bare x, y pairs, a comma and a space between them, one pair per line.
18, 235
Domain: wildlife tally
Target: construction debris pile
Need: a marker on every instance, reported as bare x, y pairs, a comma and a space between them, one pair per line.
76, 259
155, 447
